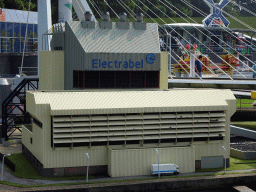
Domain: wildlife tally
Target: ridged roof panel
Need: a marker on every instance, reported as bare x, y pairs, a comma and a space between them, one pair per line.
62, 103
117, 40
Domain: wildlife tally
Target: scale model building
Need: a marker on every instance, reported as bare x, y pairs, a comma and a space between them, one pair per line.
104, 91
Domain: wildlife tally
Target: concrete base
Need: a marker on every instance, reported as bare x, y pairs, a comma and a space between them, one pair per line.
243, 154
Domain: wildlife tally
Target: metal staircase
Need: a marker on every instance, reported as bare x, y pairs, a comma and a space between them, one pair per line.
14, 113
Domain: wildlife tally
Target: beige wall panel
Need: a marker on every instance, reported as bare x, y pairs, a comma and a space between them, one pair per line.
37, 145
45, 70
26, 134
231, 101
43, 112
58, 70
132, 162
30, 103
164, 71
51, 70
74, 157
209, 149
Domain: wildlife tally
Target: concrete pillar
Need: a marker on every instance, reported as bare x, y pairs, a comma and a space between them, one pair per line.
44, 24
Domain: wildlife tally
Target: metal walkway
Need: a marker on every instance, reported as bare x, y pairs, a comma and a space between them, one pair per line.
218, 83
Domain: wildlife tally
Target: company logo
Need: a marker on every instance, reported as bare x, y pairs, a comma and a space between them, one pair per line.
216, 19
150, 58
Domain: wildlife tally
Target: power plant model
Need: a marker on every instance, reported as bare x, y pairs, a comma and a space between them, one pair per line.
104, 92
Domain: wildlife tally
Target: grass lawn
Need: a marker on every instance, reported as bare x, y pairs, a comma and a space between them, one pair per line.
244, 102
245, 124
24, 169
235, 164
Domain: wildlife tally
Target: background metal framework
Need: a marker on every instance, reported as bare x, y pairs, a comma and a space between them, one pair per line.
11, 119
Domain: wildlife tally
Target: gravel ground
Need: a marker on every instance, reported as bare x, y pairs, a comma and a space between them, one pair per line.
242, 143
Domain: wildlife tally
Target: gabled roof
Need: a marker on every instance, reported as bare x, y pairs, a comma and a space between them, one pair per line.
116, 40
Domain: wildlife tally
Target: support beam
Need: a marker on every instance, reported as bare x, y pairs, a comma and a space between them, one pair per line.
44, 24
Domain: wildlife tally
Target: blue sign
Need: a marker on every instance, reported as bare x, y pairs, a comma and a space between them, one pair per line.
216, 19
150, 58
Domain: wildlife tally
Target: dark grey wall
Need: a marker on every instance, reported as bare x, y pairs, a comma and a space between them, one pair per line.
5, 66
29, 61
9, 64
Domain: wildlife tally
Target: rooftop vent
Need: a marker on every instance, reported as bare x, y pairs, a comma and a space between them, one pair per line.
139, 17
88, 16
123, 16
106, 16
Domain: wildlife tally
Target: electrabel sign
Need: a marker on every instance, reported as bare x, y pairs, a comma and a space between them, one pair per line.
216, 19
115, 64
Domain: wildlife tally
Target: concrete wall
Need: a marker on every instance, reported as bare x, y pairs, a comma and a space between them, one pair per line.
133, 162
243, 154
51, 70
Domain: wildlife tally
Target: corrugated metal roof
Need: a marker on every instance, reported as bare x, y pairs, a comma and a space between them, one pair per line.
18, 16
117, 40
75, 103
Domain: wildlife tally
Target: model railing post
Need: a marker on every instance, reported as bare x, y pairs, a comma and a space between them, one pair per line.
158, 163
87, 172
170, 53
2, 175
225, 157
